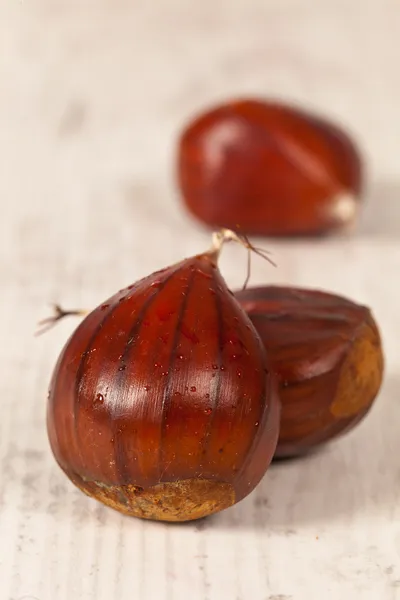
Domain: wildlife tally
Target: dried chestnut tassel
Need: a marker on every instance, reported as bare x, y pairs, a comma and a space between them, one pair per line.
162, 404
327, 354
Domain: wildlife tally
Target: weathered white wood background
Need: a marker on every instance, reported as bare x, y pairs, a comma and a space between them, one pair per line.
92, 94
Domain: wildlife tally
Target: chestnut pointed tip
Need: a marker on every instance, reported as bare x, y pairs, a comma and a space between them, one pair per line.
343, 209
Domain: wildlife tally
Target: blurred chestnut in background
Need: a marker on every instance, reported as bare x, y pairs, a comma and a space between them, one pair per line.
264, 168
326, 352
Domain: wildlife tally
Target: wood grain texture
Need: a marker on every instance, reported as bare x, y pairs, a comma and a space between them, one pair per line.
92, 95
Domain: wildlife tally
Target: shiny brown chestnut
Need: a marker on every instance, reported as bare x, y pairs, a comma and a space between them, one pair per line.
262, 167
162, 404
326, 352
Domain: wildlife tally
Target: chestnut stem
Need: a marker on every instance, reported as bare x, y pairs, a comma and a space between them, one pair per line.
219, 238
59, 313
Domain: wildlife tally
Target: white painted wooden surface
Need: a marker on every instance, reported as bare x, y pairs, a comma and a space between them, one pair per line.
92, 94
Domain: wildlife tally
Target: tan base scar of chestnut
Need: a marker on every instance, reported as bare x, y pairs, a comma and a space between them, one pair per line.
361, 375
343, 209
185, 500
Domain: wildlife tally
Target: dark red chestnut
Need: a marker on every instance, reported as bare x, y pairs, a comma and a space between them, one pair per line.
162, 404
265, 168
327, 355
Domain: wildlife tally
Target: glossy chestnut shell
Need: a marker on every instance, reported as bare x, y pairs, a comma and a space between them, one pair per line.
327, 355
262, 167
161, 404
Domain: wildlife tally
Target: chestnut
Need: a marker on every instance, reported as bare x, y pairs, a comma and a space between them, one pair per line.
162, 404
266, 168
327, 355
